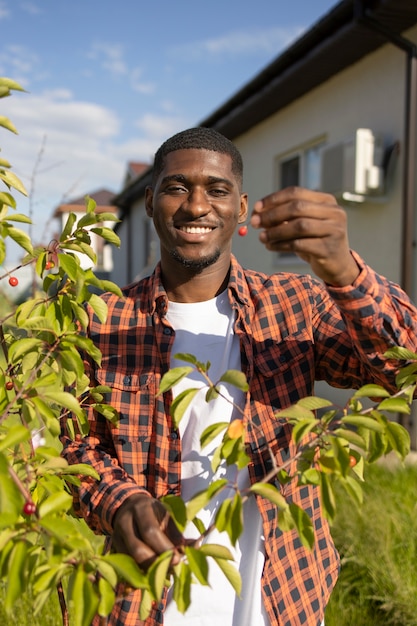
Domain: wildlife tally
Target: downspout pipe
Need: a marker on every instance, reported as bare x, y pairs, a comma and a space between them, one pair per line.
364, 16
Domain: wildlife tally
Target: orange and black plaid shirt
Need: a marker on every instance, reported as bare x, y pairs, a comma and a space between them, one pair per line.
293, 331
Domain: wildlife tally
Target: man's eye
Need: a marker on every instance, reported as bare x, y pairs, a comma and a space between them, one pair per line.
175, 189
218, 192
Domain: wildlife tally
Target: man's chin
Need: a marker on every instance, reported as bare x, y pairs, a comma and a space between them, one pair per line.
197, 265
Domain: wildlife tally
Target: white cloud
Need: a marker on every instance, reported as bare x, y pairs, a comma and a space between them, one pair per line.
22, 64
110, 56
270, 40
31, 8
4, 11
74, 147
138, 85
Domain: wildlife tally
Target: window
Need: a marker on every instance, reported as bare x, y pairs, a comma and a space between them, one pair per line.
302, 169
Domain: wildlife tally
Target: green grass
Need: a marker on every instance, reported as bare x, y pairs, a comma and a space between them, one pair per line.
378, 546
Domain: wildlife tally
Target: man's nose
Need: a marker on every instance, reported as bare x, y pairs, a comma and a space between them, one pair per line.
197, 202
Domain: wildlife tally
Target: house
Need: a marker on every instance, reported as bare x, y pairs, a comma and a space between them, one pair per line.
104, 204
335, 111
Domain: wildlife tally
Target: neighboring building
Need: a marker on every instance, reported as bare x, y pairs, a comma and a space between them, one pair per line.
104, 204
297, 122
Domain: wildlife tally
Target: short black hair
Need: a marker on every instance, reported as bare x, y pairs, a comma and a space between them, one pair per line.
199, 138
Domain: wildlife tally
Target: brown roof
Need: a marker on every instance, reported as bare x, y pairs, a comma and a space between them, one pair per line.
103, 198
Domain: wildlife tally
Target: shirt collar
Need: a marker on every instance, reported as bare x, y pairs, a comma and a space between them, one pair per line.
237, 287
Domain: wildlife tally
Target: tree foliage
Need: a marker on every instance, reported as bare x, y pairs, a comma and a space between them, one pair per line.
43, 547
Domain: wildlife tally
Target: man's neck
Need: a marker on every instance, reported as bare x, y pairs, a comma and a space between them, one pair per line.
185, 286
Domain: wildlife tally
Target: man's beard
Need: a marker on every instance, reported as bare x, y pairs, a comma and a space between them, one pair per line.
198, 264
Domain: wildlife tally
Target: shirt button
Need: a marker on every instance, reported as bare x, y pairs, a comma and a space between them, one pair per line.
174, 435
167, 331
282, 358
127, 380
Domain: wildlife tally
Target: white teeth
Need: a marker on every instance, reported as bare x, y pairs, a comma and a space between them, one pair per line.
196, 230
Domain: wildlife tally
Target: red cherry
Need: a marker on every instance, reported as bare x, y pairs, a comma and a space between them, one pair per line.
13, 281
352, 461
9, 385
49, 265
243, 230
29, 508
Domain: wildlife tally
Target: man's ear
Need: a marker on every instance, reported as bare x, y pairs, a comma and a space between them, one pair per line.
149, 201
243, 212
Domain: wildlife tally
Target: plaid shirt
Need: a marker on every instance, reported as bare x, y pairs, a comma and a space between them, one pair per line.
292, 331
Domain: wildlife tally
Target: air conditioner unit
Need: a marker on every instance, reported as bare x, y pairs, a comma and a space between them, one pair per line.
352, 169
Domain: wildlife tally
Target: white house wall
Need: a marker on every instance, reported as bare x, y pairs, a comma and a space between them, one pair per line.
369, 94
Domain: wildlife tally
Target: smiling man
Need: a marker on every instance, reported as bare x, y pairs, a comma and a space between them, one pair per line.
283, 331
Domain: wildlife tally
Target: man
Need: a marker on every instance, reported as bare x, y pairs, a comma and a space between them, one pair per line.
283, 331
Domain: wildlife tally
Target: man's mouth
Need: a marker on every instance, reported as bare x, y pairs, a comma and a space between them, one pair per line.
195, 230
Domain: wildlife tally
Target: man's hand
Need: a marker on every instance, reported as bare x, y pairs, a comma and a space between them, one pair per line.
143, 529
311, 224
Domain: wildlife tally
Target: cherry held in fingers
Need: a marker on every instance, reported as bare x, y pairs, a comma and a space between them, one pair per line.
243, 230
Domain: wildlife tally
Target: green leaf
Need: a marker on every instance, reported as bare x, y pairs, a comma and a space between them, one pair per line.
395, 405
172, 377
211, 432
399, 439
364, 422
216, 551
296, 412
157, 574
6, 123
181, 404
14, 435
11, 180
202, 498
7, 198
107, 571
231, 574
182, 586
99, 307
107, 234
19, 217
22, 346
16, 579
327, 497
71, 220
21, 238
198, 564
303, 524
70, 265
10, 84
400, 353
313, 403
271, 493
107, 597
177, 510
371, 391
127, 569
302, 428
351, 436
59, 502
235, 378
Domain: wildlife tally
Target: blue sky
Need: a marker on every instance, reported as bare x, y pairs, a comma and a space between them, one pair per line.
107, 82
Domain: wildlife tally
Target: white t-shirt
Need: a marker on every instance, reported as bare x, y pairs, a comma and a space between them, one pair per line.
205, 330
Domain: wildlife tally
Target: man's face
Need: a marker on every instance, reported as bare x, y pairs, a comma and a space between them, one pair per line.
196, 205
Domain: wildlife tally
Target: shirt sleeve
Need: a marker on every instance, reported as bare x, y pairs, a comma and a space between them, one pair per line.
356, 324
